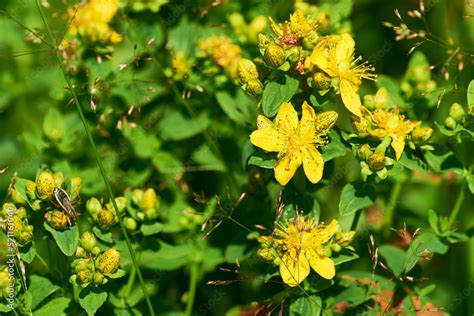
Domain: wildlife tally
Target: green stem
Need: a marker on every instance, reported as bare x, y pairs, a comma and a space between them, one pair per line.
355, 220
457, 205
392, 202
192, 288
99, 162
131, 281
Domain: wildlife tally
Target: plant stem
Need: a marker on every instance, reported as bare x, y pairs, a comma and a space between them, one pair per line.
192, 288
457, 205
355, 220
392, 202
98, 160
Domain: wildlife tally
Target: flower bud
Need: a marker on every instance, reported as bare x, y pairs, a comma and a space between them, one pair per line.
17, 198
121, 204
421, 134
105, 219
150, 214
336, 247
56, 219
95, 251
345, 238
76, 184
310, 41
93, 206
457, 112
327, 252
321, 81
8, 208
369, 101
247, 70
256, 26
263, 41
450, 123
109, 261
376, 161
98, 278
82, 264
25, 237
149, 199
88, 240
58, 178
267, 254
31, 189
17, 226
37, 205
130, 223
21, 212
137, 195
80, 252
254, 87
84, 276
293, 54
360, 124
325, 120
274, 55
4, 279
45, 185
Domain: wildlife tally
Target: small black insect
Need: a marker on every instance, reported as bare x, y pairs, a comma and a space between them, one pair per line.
64, 202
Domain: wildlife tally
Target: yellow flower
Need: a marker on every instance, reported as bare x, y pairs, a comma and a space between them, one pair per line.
296, 142
335, 56
222, 50
91, 20
301, 242
291, 31
394, 125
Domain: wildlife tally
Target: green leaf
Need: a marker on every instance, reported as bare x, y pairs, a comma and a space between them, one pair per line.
175, 126
470, 94
144, 144
433, 220
343, 257
103, 235
335, 148
167, 164
20, 187
413, 163
354, 198
423, 245
263, 160
470, 183
117, 274
56, 307
207, 159
393, 89
441, 162
168, 257
306, 305
453, 132
28, 252
40, 288
280, 90
66, 240
151, 229
394, 257
53, 124
91, 299
242, 109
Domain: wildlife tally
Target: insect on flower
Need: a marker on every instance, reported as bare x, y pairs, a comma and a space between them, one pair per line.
64, 202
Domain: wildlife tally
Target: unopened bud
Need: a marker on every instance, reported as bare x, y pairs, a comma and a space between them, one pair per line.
137, 195
360, 124
80, 252
21, 212
310, 41
98, 278
93, 206
450, 123
105, 219
149, 199
247, 70
421, 134
130, 223
263, 41
109, 261
56, 219
84, 276
88, 240
17, 197
274, 55
325, 121
376, 161
45, 185
58, 178
293, 54
456, 111
37, 205
321, 81
254, 87
31, 189
76, 184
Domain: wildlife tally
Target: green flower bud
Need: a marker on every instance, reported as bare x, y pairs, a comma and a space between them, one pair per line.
137, 195
121, 204
310, 41
130, 223
421, 74
17, 198
254, 87
376, 161
325, 120
105, 219
421, 134
25, 237
327, 252
17, 226
450, 123
274, 55
141, 216
263, 41
88, 240
369, 101
95, 251
98, 278
31, 189
344, 238
82, 264
149, 199
267, 254
21, 212
456, 111
360, 124
80, 252
336, 247
293, 54
58, 178
93, 206
109, 261
320, 81
76, 184
247, 70
150, 213
37, 205
4, 279
8, 208
45, 185
56, 219
84, 276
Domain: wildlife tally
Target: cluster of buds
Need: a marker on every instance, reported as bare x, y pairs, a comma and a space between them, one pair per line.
249, 77
224, 53
148, 203
104, 215
458, 117
374, 161
14, 221
247, 32
92, 266
9, 285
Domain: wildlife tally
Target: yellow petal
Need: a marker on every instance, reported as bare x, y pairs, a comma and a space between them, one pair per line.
294, 269
263, 122
287, 119
350, 96
307, 123
398, 144
286, 167
268, 139
313, 163
344, 49
323, 266
321, 57
327, 232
